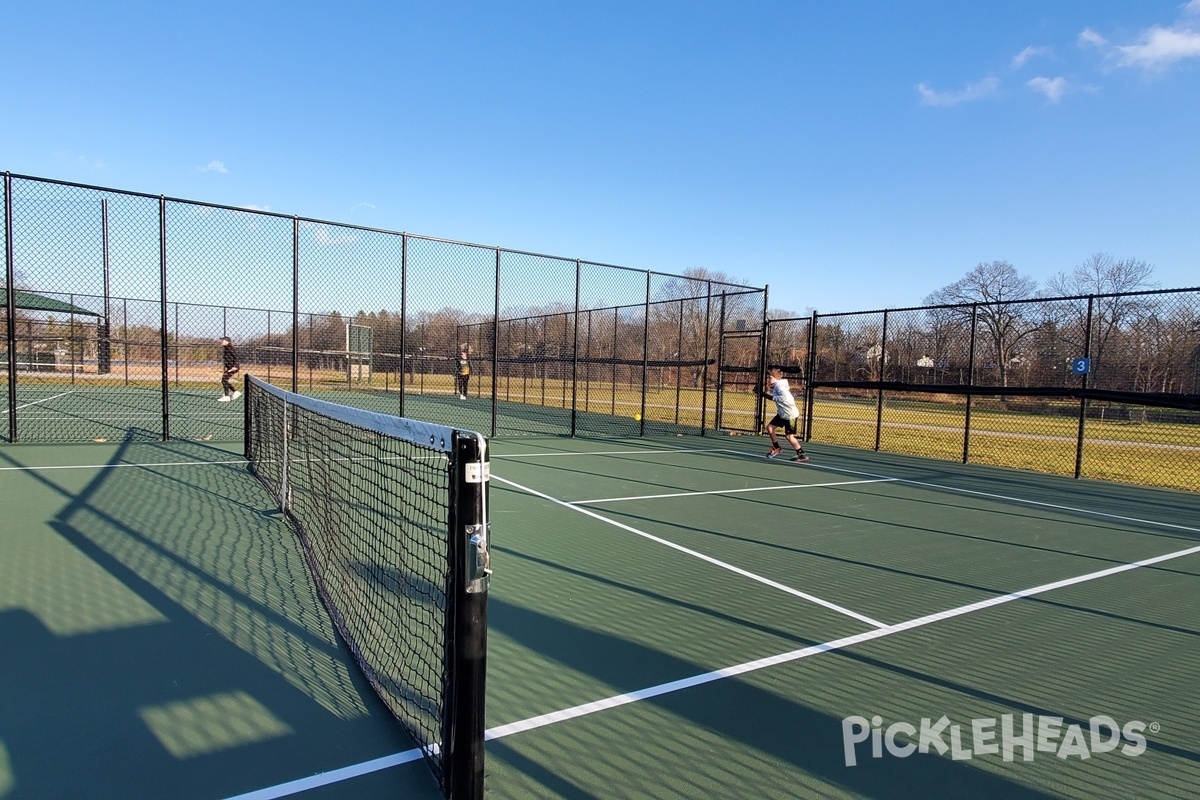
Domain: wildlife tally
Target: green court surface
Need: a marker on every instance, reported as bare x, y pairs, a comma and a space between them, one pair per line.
670, 618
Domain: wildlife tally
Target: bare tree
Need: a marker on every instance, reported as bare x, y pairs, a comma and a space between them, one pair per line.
699, 295
1103, 274
999, 293
1107, 282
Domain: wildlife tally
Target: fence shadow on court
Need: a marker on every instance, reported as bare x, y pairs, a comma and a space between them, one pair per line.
182, 650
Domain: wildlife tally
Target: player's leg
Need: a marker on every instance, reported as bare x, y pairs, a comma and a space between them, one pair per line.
771, 431
790, 430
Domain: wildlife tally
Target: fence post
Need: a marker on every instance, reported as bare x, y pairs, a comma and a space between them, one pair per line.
1083, 403
645, 356
970, 382
400, 373
762, 367
707, 353
678, 366
809, 367
720, 363
496, 343
10, 308
882, 376
296, 304
104, 344
162, 316
575, 351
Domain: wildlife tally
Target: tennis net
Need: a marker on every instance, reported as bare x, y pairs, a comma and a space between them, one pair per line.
392, 515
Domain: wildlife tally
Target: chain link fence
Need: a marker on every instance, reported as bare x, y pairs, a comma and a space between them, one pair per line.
1097, 386
115, 302
119, 301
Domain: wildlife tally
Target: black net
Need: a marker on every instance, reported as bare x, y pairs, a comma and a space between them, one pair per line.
372, 500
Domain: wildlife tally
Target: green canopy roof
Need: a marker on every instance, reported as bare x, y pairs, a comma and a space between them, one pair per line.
36, 302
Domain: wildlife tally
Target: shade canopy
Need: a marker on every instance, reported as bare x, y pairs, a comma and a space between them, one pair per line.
36, 302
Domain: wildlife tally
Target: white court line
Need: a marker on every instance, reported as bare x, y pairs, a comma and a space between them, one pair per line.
696, 554
116, 466
614, 452
575, 712
804, 652
333, 776
992, 496
730, 491
43, 400
363, 458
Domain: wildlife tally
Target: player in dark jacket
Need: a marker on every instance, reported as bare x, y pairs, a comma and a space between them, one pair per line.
231, 368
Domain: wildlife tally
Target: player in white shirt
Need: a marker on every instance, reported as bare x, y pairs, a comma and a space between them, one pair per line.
787, 416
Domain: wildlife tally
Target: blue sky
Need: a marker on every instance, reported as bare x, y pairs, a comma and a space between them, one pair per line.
851, 156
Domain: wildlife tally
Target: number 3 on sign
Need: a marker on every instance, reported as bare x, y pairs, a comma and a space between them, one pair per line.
1081, 366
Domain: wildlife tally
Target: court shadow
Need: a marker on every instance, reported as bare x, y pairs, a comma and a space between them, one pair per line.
624, 747
931, 576
797, 642
224, 678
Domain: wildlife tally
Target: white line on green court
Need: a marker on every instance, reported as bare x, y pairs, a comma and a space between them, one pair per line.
730, 491
116, 466
993, 496
696, 554
43, 400
333, 776
614, 452
812, 650
575, 712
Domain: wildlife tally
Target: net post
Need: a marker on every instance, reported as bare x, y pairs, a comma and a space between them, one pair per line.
247, 408
470, 535
284, 491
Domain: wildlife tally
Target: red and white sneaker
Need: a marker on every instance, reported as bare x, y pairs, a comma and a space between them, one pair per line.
801, 456
774, 452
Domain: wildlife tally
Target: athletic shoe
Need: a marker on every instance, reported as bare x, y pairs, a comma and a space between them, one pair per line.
801, 456
235, 395
774, 452
462, 397
224, 398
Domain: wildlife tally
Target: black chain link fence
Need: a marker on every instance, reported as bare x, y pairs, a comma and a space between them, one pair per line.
115, 302
1098, 386
119, 301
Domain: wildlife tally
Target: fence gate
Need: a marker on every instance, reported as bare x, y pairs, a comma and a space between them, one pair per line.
739, 375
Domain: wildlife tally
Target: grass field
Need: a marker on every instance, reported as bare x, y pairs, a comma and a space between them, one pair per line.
1148, 453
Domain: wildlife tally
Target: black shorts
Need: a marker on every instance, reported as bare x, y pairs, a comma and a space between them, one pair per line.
788, 426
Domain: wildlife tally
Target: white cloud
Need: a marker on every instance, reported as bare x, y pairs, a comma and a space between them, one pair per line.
1087, 36
1053, 88
1022, 57
973, 91
214, 166
323, 237
252, 207
357, 206
1157, 48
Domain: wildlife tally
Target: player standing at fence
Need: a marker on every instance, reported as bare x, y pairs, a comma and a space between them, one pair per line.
464, 374
231, 367
787, 415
